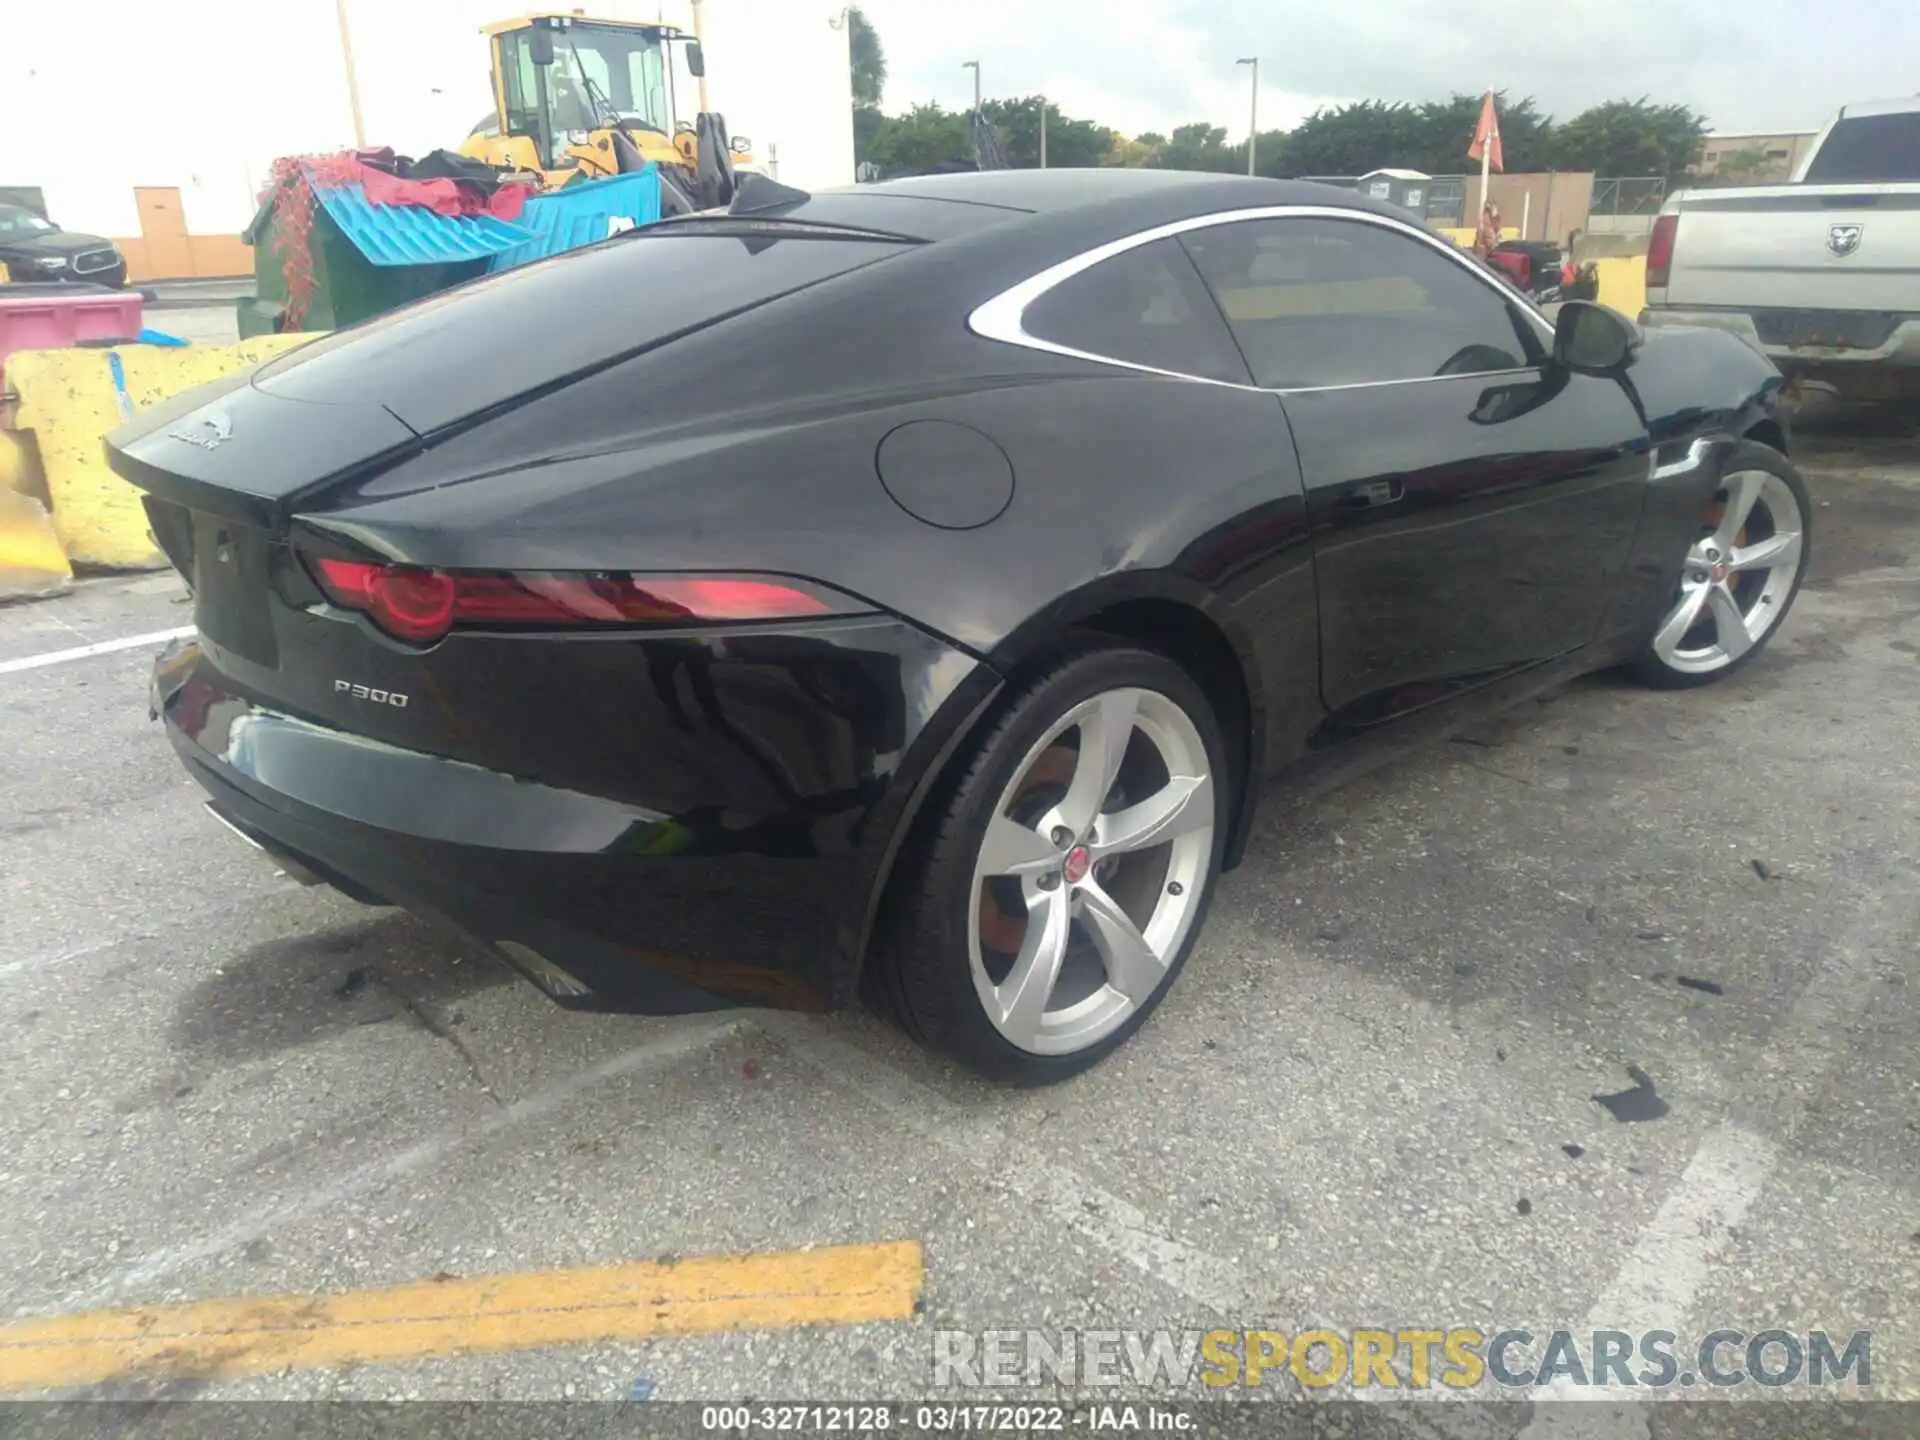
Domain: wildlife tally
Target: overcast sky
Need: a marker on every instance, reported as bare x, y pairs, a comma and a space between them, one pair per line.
1152, 64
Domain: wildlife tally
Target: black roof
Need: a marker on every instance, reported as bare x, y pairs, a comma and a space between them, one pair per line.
938, 207
1047, 191
1040, 190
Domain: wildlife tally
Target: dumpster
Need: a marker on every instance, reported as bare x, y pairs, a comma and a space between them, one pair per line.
583, 212
336, 241
342, 285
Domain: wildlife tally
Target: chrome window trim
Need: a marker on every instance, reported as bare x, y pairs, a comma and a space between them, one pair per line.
1003, 317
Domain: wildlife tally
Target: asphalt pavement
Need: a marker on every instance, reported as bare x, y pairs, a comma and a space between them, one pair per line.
1601, 1016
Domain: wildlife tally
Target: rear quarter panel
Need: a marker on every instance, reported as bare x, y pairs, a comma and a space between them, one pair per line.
1124, 484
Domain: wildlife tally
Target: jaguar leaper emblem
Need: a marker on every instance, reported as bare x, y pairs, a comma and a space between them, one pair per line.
1844, 239
209, 433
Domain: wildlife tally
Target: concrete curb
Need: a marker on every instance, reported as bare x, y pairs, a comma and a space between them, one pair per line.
196, 295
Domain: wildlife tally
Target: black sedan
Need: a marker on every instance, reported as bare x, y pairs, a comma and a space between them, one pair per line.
910, 591
33, 248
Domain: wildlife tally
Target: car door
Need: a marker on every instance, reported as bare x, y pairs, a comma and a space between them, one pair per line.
1470, 502
1197, 477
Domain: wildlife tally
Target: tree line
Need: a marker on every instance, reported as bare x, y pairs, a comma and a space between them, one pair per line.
1618, 138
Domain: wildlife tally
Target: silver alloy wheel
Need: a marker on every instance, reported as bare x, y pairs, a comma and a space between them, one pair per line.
1106, 896
1731, 593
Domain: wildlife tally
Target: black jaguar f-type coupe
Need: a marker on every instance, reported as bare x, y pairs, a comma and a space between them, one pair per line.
909, 591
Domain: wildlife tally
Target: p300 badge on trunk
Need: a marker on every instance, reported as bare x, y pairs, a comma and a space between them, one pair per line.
368, 692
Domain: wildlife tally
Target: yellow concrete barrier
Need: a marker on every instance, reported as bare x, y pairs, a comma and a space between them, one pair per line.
32, 564
69, 401
1623, 284
19, 466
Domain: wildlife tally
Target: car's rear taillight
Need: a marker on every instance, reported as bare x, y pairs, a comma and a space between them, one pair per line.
407, 602
1660, 250
421, 605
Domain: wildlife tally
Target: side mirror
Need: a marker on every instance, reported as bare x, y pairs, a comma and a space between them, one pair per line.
541, 45
696, 61
1590, 339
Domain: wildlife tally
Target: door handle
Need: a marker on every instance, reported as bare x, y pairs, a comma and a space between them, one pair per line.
1372, 494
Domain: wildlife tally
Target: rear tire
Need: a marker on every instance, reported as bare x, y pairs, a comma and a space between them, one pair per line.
1058, 881
1740, 576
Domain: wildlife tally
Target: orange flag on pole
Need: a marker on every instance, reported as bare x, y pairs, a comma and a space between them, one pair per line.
1486, 138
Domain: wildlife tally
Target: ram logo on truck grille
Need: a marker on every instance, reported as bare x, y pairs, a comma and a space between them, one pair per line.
1843, 240
368, 692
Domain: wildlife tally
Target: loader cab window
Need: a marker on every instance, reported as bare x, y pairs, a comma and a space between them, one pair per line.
613, 66
595, 67
647, 83
577, 85
525, 89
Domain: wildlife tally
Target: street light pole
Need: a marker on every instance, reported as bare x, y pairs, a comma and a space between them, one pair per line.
1043, 132
974, 65
1253, 110
353, 83
700, 39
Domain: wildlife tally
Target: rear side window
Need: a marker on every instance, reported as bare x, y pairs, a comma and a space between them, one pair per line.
1145, 306
1342, 302
1868, 149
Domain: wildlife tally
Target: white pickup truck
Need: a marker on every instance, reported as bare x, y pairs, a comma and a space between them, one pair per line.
1822, 275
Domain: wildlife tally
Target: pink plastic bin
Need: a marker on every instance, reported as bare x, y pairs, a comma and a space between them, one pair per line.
40, 317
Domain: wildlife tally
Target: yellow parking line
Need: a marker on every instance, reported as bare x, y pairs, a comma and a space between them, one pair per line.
466, 1315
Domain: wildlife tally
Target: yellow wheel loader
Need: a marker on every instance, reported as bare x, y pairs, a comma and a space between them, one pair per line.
579, 97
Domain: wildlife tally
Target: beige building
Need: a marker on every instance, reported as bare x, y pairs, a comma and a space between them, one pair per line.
1754, 158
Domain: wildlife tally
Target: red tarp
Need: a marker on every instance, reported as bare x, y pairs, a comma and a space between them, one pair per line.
441, 196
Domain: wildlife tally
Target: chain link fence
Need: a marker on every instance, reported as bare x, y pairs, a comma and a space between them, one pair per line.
1637, 195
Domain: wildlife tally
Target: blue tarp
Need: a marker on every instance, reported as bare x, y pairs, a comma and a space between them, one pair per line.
583, 212
414, 235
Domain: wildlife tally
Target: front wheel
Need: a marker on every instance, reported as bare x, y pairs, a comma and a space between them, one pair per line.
1740, 576
1050, 901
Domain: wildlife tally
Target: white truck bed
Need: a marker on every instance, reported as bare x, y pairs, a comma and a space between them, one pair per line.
1822, 278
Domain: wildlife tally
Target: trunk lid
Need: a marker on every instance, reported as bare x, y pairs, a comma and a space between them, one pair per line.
232, 450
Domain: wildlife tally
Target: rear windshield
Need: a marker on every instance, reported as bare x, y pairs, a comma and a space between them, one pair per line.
456, 354
1868, 149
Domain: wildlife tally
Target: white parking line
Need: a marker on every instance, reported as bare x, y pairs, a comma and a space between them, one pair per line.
1677, 1250
1655, 1288
86, 652
176, 920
